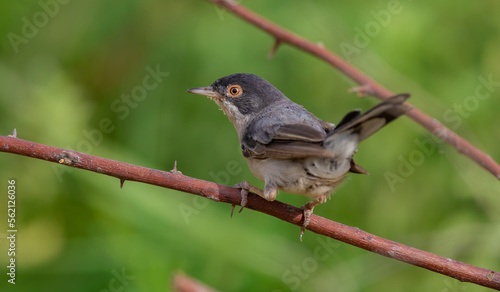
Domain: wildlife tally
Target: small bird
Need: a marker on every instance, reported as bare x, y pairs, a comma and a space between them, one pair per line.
288, 147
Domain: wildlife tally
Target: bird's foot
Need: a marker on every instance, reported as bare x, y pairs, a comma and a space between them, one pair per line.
245, 187
307, 212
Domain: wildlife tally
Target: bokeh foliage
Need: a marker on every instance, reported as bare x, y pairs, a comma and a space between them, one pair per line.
78, 230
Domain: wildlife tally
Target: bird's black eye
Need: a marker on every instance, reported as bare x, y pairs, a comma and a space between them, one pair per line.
234, 90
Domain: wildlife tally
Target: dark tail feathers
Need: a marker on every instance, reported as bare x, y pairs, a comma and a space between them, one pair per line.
374, 119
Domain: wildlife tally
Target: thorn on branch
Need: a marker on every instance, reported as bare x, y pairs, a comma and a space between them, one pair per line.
363, 90
14, 133
274, 48
232, 209
122, 181
174, 170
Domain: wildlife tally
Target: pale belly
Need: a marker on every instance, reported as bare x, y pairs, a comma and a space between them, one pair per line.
311, 177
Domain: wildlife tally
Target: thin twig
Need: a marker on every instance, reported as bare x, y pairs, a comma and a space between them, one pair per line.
283, 36
221, 193
183, 283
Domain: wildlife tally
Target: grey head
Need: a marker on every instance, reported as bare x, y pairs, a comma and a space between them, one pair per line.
241, 96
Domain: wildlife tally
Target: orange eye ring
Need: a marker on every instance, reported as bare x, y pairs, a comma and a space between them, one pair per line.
234, 90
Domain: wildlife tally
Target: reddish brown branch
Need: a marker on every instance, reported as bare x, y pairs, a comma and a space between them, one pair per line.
221, 193
432, 125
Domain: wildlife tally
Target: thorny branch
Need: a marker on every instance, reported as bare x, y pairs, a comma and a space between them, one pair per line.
367, 85
221, 193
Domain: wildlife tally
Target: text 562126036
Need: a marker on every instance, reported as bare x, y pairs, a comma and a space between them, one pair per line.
11, 232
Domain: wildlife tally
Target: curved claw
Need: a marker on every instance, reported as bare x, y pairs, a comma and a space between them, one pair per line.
307, 219
308, 211
245, 186
244, 199
244, 195
232, 210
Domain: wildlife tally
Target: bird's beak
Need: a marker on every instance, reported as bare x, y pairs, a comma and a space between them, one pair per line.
207, 91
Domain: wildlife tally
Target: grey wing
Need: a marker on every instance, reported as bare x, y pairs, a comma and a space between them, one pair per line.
290, 141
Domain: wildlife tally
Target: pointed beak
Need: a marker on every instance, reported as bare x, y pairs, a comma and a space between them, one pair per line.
207, 91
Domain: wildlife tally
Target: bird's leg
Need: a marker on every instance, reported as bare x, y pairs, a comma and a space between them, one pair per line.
308, 211
245, 186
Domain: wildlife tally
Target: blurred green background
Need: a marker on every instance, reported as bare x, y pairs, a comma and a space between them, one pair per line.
66, 67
